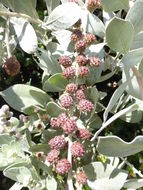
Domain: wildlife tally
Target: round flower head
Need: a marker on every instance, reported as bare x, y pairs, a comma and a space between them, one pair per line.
89, 38
83, 134
93, 4
55, 123
58, 142
66, 101
76, 35
94, 61
62, 118
12, 66
69, 72
85, 105
77, 150
98, 4
83, 71
53, 156
71, 88
81, 60
65, 61
81, 177
80, 95
63, 166
80, 46
69, 126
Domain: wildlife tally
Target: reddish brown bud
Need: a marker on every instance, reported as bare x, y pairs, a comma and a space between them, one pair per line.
12, 66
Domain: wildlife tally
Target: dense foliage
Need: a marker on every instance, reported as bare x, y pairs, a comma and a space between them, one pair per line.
71, 94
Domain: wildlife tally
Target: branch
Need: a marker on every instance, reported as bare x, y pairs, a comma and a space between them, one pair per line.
7, 38
133, 168
113, 118
69, 180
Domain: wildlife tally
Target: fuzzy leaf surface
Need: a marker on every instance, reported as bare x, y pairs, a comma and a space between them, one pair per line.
117, 35
25, 34
27, 6
114, 5
105, 176
20, 96
115, 146
135, 16
64, 16
55, 83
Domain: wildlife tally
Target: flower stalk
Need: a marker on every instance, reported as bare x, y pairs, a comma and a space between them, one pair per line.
7, 38
69, 157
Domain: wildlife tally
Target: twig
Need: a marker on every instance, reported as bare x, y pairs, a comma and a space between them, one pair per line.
69, 180
113, 118
7, 38
139, 80
133, 168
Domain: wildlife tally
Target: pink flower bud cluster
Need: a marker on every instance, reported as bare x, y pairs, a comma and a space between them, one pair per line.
81, 42
77, 149
62, 165
81, 177
67, 124
93, 4
76, 104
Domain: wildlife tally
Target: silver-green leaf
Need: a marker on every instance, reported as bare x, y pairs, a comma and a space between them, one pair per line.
27, 6
64, 16
135, 16
20, 96
115, 5
26, 35
105, 176
133, 183
117, 35
95, 25
55, 83
115, 146
48, 62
